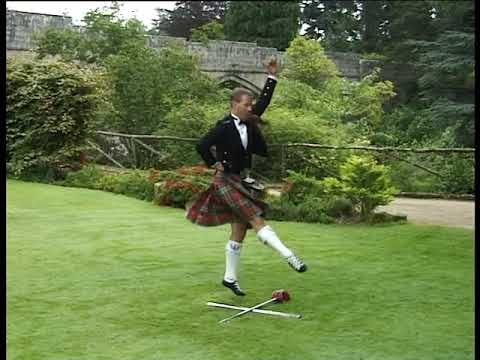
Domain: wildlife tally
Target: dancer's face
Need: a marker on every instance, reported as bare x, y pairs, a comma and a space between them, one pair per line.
243, 107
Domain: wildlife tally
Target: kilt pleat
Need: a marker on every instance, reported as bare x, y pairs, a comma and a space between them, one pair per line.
227, 200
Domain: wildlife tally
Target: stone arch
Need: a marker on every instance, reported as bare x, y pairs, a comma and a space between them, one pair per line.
235, 80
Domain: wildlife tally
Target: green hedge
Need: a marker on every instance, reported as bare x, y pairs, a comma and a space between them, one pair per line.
134, 183
303, 199
50, 109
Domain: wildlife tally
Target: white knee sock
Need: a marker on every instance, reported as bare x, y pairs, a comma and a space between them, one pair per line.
268, 236
232, 260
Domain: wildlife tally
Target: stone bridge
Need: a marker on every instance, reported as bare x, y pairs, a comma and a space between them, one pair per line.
232, 63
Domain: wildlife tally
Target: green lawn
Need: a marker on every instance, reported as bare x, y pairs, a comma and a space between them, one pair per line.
93, 275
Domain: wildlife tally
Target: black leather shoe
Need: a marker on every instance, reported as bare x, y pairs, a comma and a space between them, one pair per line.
234, 287
296, 264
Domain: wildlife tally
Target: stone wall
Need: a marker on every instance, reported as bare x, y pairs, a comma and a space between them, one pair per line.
22, 25
230, 55
216, 57
240, 63
222, 55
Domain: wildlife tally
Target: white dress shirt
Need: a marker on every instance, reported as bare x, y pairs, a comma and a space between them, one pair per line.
242, 130
272, 77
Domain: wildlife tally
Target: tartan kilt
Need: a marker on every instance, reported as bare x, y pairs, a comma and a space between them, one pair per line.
227, 200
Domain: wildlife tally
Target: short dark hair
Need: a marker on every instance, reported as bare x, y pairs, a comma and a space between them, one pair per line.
237, 94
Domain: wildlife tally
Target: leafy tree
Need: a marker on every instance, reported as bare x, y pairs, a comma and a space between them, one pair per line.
212, 30
189, 15
104, 34
269, 23
336, 23
448, 84
305, 61
67, 42
407, 21
138, 84
365, 102
348, 25
190, 119
368, 26
147, 84
359, 103
446, 67
454, 15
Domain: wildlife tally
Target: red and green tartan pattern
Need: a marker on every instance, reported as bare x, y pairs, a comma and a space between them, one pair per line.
226, 201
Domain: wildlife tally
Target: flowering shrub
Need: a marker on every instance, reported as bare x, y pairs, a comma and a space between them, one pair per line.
176, 188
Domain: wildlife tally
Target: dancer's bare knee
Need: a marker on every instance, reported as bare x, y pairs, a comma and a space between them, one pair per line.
257, 223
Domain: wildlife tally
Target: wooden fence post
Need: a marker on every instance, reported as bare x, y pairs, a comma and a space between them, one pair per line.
283, 160
96, 147
134, 153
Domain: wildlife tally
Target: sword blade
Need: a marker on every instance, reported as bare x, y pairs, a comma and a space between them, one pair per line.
259, 311
247, 310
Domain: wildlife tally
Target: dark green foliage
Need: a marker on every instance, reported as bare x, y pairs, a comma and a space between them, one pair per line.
408, 178
442, 51
89, 177
334, 22
50, 108
383, 26
339, 207
447, 63
133, 183
457, 172
454, 15
170, 188
368, 26
268, 23
444, 116
407, 21
372, 19
440, 112
312, 210
401, 125
188, 15
447, 84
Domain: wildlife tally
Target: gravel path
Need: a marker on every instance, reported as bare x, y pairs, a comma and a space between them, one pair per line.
434, 211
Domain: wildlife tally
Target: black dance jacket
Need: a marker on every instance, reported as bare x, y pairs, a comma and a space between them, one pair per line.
226, 139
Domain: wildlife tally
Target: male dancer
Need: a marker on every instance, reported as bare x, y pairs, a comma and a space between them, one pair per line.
229, 199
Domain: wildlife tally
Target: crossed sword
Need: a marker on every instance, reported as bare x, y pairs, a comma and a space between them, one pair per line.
279, 296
